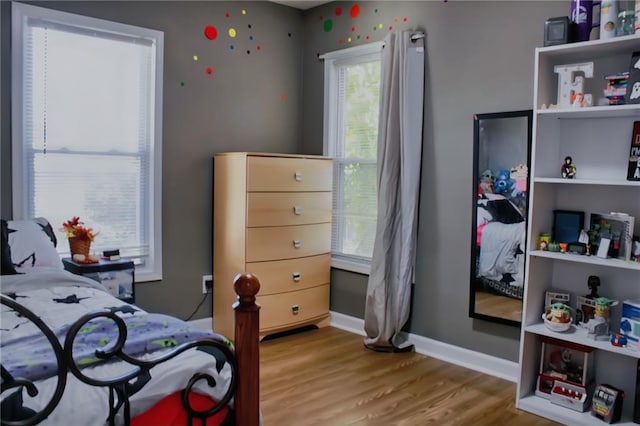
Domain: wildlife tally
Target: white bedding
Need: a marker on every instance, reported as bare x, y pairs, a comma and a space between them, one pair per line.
83, 403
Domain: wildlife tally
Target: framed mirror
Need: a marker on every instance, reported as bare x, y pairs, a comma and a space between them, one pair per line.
502, 147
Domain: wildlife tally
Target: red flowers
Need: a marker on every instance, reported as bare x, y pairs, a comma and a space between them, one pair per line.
74, 229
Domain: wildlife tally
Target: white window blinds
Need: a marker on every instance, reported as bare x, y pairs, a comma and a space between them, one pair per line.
352, 89
87, 131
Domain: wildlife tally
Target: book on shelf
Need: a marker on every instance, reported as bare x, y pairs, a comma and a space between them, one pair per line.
614, 228
633, 172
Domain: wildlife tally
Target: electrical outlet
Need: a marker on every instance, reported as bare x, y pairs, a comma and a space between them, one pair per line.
207, 284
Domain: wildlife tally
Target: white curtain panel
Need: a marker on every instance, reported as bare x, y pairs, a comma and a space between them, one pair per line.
399, 161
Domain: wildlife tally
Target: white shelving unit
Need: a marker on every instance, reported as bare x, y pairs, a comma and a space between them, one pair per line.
598, 139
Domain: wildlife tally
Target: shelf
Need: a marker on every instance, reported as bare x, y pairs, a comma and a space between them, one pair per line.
579, 335
592, 260
609, 182
606, 111
546, 408
592, 48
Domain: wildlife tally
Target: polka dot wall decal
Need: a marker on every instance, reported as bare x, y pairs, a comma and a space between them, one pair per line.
231, 47
210, 32
195, 57
375, 10
405, 19
328, 25
244, 12
353, 29
249, 26
338, 11
395, 19
209, 71
227, 15
283, 98
390, 27
232, 32
182, 84
258, 47
355, 11
288, 34
367, 37
250, 37
348, 39
380, 26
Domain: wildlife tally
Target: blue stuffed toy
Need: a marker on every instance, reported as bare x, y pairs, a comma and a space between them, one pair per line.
503, 184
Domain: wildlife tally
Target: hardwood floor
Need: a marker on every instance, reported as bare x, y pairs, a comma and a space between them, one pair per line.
327, 377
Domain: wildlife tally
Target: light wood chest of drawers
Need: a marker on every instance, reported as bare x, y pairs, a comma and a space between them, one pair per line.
272, 218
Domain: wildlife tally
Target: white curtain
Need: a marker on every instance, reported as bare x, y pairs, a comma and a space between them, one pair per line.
399, 160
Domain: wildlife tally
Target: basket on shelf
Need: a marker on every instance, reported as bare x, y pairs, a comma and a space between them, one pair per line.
80, 246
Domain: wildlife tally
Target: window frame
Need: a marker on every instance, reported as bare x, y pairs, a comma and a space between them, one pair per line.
150, 268
332, 61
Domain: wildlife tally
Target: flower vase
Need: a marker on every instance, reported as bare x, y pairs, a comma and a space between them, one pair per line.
80, 246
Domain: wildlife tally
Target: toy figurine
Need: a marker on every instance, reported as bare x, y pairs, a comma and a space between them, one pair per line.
503, 183
568, 168
599, 326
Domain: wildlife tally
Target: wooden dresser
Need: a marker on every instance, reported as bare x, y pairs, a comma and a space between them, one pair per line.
272, 218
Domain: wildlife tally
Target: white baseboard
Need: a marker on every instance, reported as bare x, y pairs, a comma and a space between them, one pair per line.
487, 364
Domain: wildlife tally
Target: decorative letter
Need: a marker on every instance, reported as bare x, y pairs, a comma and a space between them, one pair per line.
568, 87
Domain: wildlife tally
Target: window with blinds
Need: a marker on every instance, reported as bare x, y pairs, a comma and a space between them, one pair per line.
87, 131
352, 91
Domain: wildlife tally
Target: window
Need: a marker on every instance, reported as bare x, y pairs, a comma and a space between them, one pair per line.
87, 108
351, 110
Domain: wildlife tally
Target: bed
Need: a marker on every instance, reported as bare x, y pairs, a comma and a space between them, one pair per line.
500, 243
71, 350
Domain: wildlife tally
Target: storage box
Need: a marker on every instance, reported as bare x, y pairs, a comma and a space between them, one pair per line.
630, 321
117, 276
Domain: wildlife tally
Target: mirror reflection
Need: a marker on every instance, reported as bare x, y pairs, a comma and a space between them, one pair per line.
502, 144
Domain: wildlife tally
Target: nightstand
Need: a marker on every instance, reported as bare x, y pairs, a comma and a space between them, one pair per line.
117, 276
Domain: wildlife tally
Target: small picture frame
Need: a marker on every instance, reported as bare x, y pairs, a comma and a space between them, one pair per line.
567, 225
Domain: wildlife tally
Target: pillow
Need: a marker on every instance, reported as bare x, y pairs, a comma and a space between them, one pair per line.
32, 245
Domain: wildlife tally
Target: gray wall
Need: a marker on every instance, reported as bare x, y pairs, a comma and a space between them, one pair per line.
239, 108
479, 59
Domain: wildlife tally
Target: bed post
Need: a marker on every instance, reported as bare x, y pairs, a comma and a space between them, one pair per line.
247, 320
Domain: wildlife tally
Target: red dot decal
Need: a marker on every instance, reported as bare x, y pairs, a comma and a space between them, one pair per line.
258, 47
405, 19
355, 11
210, 32
353, 29
227, 15
209, 71
338, 11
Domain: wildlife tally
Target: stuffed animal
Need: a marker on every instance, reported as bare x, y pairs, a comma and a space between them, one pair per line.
503, 184
486, 183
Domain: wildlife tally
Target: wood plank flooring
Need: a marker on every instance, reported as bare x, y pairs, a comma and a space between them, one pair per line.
327, 377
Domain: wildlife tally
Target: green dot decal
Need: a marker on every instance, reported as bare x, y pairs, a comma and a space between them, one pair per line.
328, 25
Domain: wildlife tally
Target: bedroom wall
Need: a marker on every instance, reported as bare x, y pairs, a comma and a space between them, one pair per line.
479, 59
250, 103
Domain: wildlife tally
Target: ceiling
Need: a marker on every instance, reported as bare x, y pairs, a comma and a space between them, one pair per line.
301, 4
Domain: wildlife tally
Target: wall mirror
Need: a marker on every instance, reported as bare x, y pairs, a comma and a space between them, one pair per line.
502, 145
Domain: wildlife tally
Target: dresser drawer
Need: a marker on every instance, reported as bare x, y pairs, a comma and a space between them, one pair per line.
277, 310
289, 174
288, 208
280, 276
287, 242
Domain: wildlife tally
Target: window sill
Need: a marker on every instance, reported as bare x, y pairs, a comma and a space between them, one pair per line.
363, 268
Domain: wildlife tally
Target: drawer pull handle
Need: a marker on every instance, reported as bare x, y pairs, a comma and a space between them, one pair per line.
297, 176
295, 309
296, 276
297, 244
297, 210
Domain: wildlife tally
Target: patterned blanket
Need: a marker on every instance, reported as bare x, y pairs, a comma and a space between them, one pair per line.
32, 357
